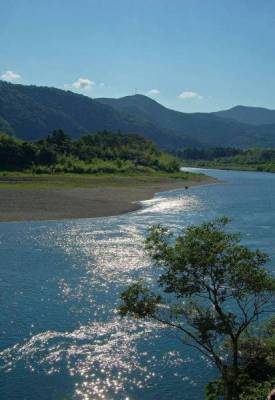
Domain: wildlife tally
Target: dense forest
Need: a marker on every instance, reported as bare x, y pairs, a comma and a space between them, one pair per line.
103, 152
231, 158
30, 112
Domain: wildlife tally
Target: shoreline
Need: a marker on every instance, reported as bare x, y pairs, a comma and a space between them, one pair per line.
239, 168
44, 204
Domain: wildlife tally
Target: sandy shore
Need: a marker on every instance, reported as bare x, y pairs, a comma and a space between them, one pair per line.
19, 204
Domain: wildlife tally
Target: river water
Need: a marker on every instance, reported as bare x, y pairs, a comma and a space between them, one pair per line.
60, 335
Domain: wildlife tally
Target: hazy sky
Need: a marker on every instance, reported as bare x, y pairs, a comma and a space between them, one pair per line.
191, 55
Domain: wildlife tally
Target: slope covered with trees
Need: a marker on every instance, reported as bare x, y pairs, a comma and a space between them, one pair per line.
103, 152
229, 158
208, 129
249, 115
30, 112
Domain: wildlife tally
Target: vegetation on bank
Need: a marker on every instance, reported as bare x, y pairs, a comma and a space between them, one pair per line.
95, 160
98, 153
229, 158
22, 180
213, 291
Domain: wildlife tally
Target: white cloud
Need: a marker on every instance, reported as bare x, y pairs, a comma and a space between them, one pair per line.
83, 84
187, 95
153, 92
10, 76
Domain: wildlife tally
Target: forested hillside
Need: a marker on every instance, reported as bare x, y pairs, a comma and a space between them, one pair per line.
103, 152
230, 158
249, 115
207, 129
30, 112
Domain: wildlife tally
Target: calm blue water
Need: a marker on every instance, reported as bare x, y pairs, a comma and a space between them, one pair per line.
60, 336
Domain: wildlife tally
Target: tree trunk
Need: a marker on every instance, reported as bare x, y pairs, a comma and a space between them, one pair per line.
230, 390
227, 391
235, 372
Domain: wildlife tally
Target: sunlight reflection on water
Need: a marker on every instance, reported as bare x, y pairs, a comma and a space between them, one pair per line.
104, 354
170, 205
60, 289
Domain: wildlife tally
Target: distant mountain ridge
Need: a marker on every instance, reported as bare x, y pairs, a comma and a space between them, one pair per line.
32, 112
209, 129
249, 115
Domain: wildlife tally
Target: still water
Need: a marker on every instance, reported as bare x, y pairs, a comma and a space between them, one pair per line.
60, 335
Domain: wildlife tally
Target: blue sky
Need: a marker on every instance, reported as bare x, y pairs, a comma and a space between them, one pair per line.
190, 55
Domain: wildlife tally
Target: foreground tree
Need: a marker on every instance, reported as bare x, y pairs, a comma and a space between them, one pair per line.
256, 365
210, 288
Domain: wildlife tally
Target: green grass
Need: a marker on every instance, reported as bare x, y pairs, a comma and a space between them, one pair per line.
259, 167
26, 180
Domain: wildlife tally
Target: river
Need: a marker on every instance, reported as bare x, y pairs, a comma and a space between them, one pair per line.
60, 335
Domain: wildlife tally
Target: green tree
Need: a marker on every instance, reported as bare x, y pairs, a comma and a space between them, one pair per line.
60, 140
46, 156
257, 362
210, 288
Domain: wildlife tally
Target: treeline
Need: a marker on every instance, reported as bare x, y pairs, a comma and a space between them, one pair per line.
226, 157
103, 152
207, 153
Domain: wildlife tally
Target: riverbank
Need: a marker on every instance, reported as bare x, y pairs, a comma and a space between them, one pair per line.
260, 167
26, 198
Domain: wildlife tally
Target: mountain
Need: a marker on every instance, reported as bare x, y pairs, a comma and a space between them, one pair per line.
249, 115
207, 128
32, 112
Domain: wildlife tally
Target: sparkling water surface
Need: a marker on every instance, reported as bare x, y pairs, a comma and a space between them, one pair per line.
60, 335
